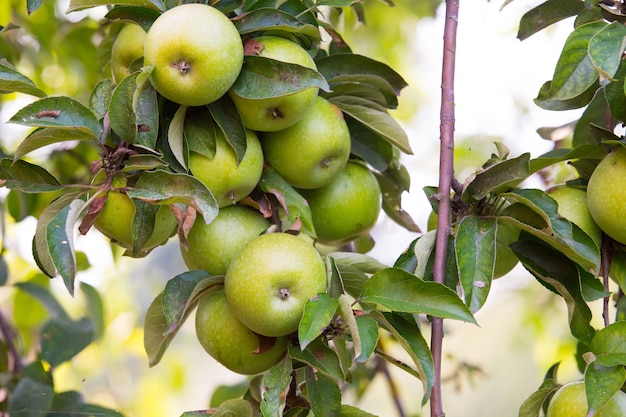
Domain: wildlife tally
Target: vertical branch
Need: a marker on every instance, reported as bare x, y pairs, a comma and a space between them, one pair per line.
446, 173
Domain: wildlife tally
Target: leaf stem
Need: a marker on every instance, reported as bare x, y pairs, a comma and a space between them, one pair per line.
446, 175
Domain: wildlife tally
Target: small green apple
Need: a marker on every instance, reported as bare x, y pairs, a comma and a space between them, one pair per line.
606, 195
211, 246
116, 218
276, 113
269, 281
196, 52
231, 343
228, 181
127, 47
313, 151
573, 206
571, 401
347, 207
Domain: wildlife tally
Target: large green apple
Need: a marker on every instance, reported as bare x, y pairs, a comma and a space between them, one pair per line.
573, 206
606, 195
347, 207
127, 47
231, 343
571, 401
313, 151
269, 281
116, 218
228, 180
196, 52
276, 113
212, 246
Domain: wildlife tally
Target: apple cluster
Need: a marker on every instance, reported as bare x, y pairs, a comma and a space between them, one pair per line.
269, 274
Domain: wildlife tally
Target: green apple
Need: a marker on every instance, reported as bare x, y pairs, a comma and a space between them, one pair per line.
196, 53
231, 343
313, 151
269, 281
116, 218
127, 47
606, 195
211, 246
348, 207
276, 113
571, 401
573, 206
228, 180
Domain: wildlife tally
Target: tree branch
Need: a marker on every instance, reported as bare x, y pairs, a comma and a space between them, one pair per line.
446, 175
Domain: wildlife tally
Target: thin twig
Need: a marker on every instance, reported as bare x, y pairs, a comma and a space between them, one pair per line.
6, 333
605, 269
446, 174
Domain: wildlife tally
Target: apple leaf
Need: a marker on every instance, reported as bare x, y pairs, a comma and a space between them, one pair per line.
546, 101
369, 145
146, 108
143, 16
588, 151
393, 183
175, 136
28, 395
411, 339
398, 290
95, 308
12, 81
610, 339
200, 132
324, 394
61, 340
352, 411
49, 135
475, 244
263, 77
76, 5
317, 315
531, 407
354, 270
321, 357
122, 114
276, 385
24, 176
368, 86
368, 335
59, 111
163, 187
601, 383
546, 14
500, 176
45, 297
606, 48
228, 120
268, 18
100, 98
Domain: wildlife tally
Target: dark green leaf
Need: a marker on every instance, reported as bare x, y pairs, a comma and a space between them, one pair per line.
352, 411
95, 307
76, 5
532, 406
45, 297
606, 48
31, 399
276, 384
13, 81
233, 408
594, 114
565, 154
475, 244
200, 132
397, 290
4, 270
99, 411
324, 394
614, 95
547, 102
318, 312
499, 176
121, 110
181, 294
369, 145
147, 111
274, 19
321, 357
100, 98
58, 112
228, 120
143, 16
354, 270
26, 177
49, 135
546, 14
61, 340
392, 187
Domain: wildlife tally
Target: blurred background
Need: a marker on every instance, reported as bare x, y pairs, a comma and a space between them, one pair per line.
489, 369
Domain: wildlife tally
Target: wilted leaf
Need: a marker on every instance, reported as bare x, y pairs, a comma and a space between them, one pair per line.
532, 406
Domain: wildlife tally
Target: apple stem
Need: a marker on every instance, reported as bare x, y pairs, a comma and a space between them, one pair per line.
283, 293
183, 66
275, 113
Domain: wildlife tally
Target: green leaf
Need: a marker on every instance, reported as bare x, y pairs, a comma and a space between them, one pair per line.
276, 384
228, 120
269, 18
163, 187
58, 111
532, 406
601, 383
121, 110
60, 241
606, 48
611, 339
348, 314
324, 394
100, 98
320, 356
575, 72
317, 315
553, 269
369, 145
4, 270
146, 108
143, 16
45, 297
76, 5
368, 336
13, 81
499, 176
547, 102
412, 341
263, 77
354, 270
49, 135
475, 244
24, 176
377, 120
397, 290
393, 184
181, 292
590, 151
61, 340
352, 411
176, 138
95, 307
546, 14
31, 399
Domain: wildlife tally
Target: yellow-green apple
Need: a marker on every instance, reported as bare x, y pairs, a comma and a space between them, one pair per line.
196, 53
313, 151
276, 113
211, 246
571, 401
231, 343
270, 280
127, 47
229, 181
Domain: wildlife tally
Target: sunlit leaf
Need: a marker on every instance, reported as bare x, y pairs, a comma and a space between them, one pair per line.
354, 270
318, 312
368, 336
546, 14
611, 339
13, 81
606, 48
601, 383
175, 136
397, 290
